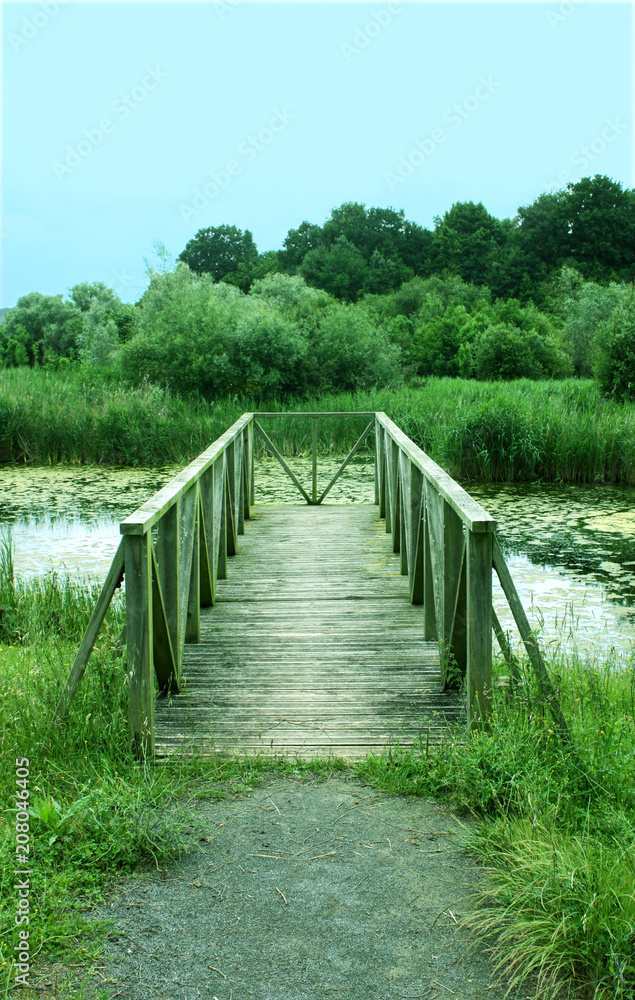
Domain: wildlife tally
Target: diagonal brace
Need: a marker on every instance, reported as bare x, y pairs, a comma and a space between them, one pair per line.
347, 459
274, 451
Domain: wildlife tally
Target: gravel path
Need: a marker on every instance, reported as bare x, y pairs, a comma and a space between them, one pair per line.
303, 890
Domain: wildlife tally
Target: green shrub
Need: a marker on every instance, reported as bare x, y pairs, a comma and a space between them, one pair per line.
504, 351
615, 352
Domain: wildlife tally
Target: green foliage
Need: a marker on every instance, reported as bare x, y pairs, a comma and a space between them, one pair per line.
351, 351
504, 351
615, 351
467, 242
556, 829
40, 327
218, 251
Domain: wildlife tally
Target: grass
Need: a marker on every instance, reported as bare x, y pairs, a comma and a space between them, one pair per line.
555, 830
489, 431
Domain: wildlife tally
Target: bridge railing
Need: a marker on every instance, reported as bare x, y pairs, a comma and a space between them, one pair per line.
445, 540
174, 549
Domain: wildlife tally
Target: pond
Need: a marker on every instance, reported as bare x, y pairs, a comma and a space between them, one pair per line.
570, 549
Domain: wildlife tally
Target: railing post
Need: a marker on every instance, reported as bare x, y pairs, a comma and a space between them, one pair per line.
169, 577
378, 461
193, 617
314, 461
138, 562
479, 626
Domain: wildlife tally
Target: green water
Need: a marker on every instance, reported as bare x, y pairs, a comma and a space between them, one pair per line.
571, 549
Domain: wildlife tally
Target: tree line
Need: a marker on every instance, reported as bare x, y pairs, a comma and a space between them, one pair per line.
366, 299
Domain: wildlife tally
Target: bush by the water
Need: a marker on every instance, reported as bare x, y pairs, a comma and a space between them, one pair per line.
615, 351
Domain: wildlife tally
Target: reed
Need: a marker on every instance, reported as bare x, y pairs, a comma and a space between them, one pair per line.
485, 431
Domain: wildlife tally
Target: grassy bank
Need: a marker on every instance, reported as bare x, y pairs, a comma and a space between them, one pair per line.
488, 431
555, 830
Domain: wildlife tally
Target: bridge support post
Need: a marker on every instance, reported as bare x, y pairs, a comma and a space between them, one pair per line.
479, 626
138, 562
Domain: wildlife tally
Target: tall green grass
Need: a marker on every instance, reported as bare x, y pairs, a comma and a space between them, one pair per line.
555, 832
488, 431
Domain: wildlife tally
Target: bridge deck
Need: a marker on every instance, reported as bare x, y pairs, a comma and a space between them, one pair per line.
312, 646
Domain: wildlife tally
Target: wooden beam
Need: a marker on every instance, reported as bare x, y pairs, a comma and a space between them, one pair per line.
353, 450
167, 557
138, 569
165, 662
479, 626
274, 451
112, 582
530, 641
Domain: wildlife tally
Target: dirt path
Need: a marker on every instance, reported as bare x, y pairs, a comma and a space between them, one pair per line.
303, 890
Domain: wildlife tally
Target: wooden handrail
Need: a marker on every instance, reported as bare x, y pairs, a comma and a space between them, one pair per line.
445, 539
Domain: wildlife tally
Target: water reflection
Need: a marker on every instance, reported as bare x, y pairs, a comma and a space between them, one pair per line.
571, 553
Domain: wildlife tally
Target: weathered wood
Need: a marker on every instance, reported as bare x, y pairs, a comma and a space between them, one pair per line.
379, 457
274, 451
325, 652
188, 524
167, 555
530, 641
352, 452
138, 569
163, 657
149, 513
208, 561
112, 582
404, 512
470, 512
453, 557
193, 620
220, 519
429, 585
314, 461
479, 626
310, 414
230, 523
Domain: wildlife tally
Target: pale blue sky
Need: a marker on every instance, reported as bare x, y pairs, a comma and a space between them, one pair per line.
284, 111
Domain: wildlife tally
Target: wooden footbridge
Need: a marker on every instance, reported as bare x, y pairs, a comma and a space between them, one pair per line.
308, 628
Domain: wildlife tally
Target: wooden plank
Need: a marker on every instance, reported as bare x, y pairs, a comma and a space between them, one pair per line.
313, 643
138, 569
317, 415
530, 641
167, 556
165, 662
193, 620
220, 519
188, 525
208, 562
111, 583
479, 626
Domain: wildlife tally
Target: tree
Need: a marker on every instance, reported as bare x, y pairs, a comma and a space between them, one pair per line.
602, 229
615, 351
219, 250
39, 328
340, 270
467, 242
